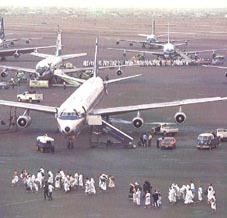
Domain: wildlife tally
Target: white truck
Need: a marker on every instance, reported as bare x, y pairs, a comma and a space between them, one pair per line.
30, 97
164, 129
222, 134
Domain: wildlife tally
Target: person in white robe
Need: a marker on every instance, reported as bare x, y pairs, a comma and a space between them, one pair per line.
40, 178
111, 183
172, 195
92, 186
210, 193
138, 196
76, 180
81, 182
147, 200
213, 203
87, 186
192, 187
50, 178
200, 193
188, 196
57, 180
15, 178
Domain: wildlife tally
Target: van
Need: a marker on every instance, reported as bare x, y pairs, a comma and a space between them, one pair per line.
207, 141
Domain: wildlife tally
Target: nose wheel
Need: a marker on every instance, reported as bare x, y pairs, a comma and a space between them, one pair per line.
70, 144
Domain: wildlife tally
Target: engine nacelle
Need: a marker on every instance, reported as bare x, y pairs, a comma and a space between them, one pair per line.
24, 121
226, 74
12, 43
119, 72
137, 122
4, 73
16, 55
27, 41
180, 117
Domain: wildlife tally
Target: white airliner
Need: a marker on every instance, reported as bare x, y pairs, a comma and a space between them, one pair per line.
79, 108
5, 43
46, 67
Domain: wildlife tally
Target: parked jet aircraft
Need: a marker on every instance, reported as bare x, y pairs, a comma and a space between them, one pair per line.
45, 68
5, 43
150, 39
79, 108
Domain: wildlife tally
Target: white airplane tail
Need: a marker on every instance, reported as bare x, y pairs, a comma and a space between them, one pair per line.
96, 59
153, 27
2, 30
168, 33
58, 43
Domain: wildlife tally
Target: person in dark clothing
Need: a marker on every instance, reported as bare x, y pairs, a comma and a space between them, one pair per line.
146, 188
155, 198
46, 191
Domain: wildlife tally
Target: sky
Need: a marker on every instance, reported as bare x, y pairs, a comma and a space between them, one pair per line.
118, 3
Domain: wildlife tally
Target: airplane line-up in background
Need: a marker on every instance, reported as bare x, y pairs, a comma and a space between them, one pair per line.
79, 108
45, 68
169, 50
15, 52
5, 43
150, 39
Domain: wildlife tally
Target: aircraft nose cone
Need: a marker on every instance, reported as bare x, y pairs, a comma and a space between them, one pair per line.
67, 129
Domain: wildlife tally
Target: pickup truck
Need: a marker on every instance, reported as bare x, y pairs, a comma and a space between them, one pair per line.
164, 129
222, 134
30, 97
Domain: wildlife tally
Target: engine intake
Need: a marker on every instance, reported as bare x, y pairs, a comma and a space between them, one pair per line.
137, 122
180, 117
4, 73
16, 55
24, 121
119, 72
226, 74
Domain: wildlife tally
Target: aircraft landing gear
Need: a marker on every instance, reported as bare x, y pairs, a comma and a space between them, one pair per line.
70, 144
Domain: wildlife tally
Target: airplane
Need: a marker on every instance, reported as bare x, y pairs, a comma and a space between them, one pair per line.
219, 67
150, 39
44, 69
5, 43
79, 109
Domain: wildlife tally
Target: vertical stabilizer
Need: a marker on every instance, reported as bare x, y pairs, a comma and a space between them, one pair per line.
96, 59
168, 32
2, 31
153, 27
58, 43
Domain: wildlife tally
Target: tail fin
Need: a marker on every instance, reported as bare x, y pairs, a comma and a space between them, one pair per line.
58, 43
2, 31
153, 27
168, 32
96, 59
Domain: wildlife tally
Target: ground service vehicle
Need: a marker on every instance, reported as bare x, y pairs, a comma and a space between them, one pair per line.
222, 134
168, 143
207, 141
164, 129
4, 85
30, 97
45, 144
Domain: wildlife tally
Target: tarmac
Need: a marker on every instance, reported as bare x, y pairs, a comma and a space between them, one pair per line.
160, 167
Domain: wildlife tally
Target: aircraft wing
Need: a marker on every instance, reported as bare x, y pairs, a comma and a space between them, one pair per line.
18, 51
69, 56
213, 66
124, 109
28, 70
35, 107
138, 51
207, 50
41, 55
120, 79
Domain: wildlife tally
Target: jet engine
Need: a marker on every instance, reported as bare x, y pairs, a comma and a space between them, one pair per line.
16, 54
4, 73
137, 121
12, 43
180, 117
24, 121
226, 74
27, 41
119, 72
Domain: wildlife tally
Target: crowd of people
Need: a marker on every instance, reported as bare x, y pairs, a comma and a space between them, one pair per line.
48, 182
138, 193
189, 193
